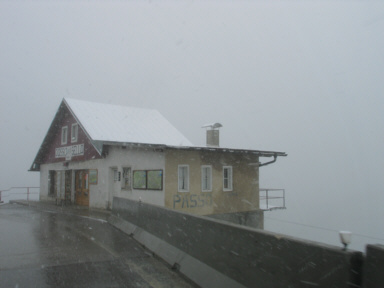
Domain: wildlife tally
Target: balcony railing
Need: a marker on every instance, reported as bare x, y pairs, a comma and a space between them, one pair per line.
19, 193
272, 199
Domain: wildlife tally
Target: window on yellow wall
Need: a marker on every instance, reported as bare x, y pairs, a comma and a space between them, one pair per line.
227, 178
183, 182
206, 178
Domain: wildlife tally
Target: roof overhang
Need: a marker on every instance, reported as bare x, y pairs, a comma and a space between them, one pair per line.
100, 144
259, 153
48, 137
63, 108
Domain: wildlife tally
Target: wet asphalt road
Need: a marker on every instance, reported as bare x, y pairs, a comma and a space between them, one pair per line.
41, 248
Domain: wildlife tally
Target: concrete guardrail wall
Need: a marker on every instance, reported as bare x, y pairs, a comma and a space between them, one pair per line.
374, 267
213, 253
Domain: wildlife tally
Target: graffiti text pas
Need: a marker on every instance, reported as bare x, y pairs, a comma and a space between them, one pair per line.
191, 200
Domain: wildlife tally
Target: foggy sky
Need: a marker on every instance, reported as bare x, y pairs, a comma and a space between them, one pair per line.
291, 76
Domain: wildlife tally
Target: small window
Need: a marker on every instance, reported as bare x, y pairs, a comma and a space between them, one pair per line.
64, 135
115, 175
183, 178
126, 183
227, 178
74, 132
206, 178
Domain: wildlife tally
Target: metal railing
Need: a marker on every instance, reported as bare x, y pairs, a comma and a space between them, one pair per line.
271, 199
19, 193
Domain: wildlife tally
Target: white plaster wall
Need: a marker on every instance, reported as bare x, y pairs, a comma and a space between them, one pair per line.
44, 188
137, 159
101, 194
98, 193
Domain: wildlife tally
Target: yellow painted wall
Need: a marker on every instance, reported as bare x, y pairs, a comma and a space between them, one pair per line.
245, 194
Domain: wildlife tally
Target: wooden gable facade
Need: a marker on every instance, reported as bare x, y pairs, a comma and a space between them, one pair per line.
55, 149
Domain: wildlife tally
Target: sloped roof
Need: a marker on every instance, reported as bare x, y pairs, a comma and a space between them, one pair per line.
108, 124
113, 123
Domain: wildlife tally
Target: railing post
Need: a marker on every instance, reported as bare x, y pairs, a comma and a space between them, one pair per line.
266, 196
0, 197
27, 193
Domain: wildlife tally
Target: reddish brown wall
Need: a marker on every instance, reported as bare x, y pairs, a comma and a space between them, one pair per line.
89, 151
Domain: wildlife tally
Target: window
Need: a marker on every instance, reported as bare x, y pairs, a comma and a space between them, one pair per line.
183, 178
126, 183
139, 179
206, 178
155, 180
74, 132
227, 178
64, 135
148, 179
56, 184
115, 175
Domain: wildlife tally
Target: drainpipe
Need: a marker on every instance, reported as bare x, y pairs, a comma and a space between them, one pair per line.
270, 162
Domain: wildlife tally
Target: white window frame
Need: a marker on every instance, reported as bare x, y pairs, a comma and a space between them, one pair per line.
183, 178
64, 135
74, 132
115, 175
229, 178
206, 178
127, 174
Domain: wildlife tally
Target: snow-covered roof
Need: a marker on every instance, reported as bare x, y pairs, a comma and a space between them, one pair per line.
113, 123
107, 124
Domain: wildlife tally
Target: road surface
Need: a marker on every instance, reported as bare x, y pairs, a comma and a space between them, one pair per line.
47, 248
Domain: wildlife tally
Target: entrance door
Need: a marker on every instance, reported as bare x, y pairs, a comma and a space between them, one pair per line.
82, 188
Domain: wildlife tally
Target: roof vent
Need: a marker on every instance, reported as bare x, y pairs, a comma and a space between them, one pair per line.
213, 134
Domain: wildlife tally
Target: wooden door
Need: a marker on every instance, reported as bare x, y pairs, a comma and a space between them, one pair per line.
82, 188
